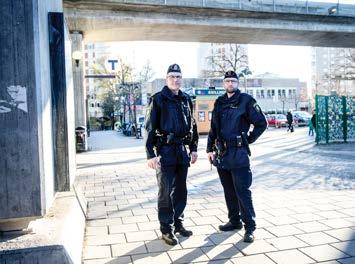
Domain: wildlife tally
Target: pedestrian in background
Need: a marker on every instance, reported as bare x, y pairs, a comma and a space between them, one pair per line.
310, 128
171, 144
314, 121
289, 118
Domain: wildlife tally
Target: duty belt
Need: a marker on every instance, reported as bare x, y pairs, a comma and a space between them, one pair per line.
235, 142
173, 140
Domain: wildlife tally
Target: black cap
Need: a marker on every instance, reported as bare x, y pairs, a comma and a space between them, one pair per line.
174, 68
231, 74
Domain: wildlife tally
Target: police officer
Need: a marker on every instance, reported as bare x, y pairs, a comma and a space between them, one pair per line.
228, 148
171, 143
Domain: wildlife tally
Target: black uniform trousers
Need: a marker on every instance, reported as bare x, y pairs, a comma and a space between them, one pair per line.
172, 196
236, 183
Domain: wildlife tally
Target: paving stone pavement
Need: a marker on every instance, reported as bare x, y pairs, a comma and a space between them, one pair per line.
304, 197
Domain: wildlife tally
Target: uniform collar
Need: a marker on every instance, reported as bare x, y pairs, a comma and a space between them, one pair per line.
232, 100
169, 94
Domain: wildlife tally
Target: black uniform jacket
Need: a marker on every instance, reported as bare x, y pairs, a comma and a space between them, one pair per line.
169, 113
232, 116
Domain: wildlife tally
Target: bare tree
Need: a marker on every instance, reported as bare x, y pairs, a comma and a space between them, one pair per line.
341, 70
146, 73
225, 57
123, 91
110, 95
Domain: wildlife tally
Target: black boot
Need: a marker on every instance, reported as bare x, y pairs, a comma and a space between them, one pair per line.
182, 231
229, 226
249, 237
170, 238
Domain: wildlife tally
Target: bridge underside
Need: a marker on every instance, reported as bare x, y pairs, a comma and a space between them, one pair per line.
128, 22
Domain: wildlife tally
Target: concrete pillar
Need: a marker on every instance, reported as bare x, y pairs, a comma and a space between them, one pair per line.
27, 169
78, 79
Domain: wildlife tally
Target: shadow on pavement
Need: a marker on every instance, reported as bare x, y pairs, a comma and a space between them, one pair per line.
158, 248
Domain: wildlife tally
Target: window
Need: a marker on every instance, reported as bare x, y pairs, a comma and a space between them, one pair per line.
268, 93
272, 93
98, 104
209, 115
201, 116
92, 105
257, 94
202, 106
262, 95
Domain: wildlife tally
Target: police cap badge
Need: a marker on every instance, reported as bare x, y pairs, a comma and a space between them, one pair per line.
174, 68
230, 74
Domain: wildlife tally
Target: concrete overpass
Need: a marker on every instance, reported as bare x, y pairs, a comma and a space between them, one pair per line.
254, 22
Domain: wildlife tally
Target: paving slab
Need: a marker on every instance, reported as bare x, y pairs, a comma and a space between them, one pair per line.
187, 255
254, 259
220, 252
323, 253
292, 256
317, 238
289, 242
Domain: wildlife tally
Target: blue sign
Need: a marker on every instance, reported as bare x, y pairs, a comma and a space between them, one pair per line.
209, 91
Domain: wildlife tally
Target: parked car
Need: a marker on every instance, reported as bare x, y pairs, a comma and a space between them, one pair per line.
277, 120
301, 118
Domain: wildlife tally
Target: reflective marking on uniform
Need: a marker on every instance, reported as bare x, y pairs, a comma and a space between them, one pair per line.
257, 107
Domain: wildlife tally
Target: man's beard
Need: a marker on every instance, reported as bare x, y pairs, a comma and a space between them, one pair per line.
231, 90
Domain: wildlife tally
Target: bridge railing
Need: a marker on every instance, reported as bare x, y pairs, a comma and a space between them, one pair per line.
314, 7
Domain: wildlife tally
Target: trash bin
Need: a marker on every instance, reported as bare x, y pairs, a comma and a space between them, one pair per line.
81, 139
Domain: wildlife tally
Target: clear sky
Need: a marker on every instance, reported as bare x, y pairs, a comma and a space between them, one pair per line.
287, 61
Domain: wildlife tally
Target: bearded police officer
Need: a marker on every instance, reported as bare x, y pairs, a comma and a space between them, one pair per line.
228, 149
170, 129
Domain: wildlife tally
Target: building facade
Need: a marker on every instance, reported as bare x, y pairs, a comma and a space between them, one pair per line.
93, 53
333, 71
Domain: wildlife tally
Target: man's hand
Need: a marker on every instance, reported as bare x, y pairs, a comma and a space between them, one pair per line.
153, 163
193, 157
210, 157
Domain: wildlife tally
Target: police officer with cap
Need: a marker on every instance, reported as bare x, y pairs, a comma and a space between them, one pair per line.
171, 144
228, 149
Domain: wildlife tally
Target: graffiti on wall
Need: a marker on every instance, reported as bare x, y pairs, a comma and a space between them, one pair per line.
17, 99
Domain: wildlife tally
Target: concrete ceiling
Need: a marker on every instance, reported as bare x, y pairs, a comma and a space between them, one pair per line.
108, 20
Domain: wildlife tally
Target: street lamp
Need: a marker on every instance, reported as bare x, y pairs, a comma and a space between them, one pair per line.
334, 9
246, 71
77, 56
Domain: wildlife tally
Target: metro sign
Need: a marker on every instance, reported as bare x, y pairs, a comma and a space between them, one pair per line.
111, 64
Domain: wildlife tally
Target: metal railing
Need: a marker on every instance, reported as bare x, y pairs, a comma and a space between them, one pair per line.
314, 7
335, 119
